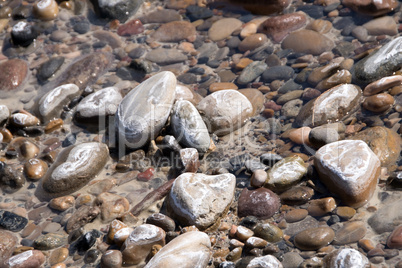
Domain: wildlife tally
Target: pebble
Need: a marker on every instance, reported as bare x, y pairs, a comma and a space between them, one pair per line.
383, 25
292, 260
131, 27
384, 62
395, 238
255, 242
265, 261
258, 178
322, 135
50, 241
340, 77
100, 104
156, 96
286, 173
225, 111
74, 168
23, 34
320, 73
300, 135
297, 195
314, 238
11, 221
30, 258
350, 232
321, 207
175, 31
46, 9
191, 249
188, 127
345, 212
320, 26
81, 216
372, 8
118, 9
161, 16
308, 42
346, 257
164, 56
112, 206
278, 73
356, 188
318, 111
12, 74
62, 203
112, 259
296, 215
162, 221
243, 233
278, 27
378, 103
7, 244
382, 84
35, 169
252, 42
189, 190
223, 28
261, 203
255, 97
251, 72
268, 232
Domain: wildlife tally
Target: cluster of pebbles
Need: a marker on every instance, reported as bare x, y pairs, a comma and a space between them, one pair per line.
186, 133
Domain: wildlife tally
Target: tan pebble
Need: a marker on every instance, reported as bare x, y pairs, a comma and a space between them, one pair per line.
20, 211
321, 26
221, 86
378, 103
366, 244
155, 249
243, 63
53, 125
62, 203
395, 90
69, 5
248, 29
345, 212
340, 77
82, 200
187, 47
258, 178
256, 242
23, 119
221, 253
243, 233
382, 84
35, 169
233, 230
347, 64
46, 9
191, 228
111, 259
26, 148
296, 215
59, 265
7, 136
252, 42
235, 254
121, 235
21, 249
320, 207
58, 255
114, 226
234, 243
268, 113
333, 13
224, 226
300, 135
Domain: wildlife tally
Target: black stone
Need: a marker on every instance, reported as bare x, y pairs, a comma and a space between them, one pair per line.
121, 11
99, 44
313, 11
47, 69
92, 255
198, 13
11, 221
278, 73
395, 180
24, 34
196, 70
80, 24
69, 140
249, 222
86, 241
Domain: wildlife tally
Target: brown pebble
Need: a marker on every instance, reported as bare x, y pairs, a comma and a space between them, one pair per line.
62, 203
345, 212
114, 226
221, 86
112, 259
366, 244
59, 265
21, 249
235, 254
314, 238
53, 125
7, 136
300, 135
395, 238
350, 232
320, 207
252, 42
378, 103
58, 255
243, 233
35, 169
24, 119
46, 9
296, 215
243, 63
382, 85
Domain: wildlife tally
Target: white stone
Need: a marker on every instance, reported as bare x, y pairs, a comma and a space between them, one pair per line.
188, 127
189, 250
225, 111
346, 258
199, 199
99, 104
286, 173
267, 261
145, 110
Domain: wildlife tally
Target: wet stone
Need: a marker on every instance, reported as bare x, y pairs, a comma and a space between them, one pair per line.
278, 73
112, 259
371, 8
62, 203
74, 168
321, 207
175, 31
347, 257
7, 245
112, 206
190, 190
265, 261
132, 27
308, 42
223, 28
162, 221
260, 202
268, 232
49, 68
251, 72
278, 27
11, 221
10, 180
161, 16
35, 169
395, 238
350, 232
378, 103
87, 241
30, 258
50, 241
314, 238
119, 9
164, 56
296, 215
252, 42
191, 249
82, 216
194, 13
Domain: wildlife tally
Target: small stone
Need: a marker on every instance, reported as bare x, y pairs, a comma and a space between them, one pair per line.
243, 233
322, 135
292, 260
112, 206
347, 257
139, 244
58, 255
278, 27
345, 212
223, 28
321, 26
255, 97
35, 169
112, 259
175, 31
378, 103
278, 73
12, 74
383, 25
131, 27
23, 119
189, 190
340, 77
258, 178
251, 72
23, 34
11, 221
265, 261
297, 195
308, 42
162, 221
314, 238
260, 202
320, 207
285, 173
46, 9
62, 203
30, 258
256, 242
82, 216
268, 232
296, 215
50, 241
350, 232
86, 241
225, 111
119, 9
395, 238
371, 8
54, 125
300, 135
252, 42
7, 244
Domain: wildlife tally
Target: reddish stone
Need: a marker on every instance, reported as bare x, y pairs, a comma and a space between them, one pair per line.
12, 74
395, 238
272, 105
279, 27
261, 203
147, 175
371, 7
130, 28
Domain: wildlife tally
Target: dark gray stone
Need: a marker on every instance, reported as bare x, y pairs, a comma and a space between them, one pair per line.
278, 73
11, 221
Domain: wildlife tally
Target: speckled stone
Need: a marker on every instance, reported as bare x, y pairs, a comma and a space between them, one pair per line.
12, 74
